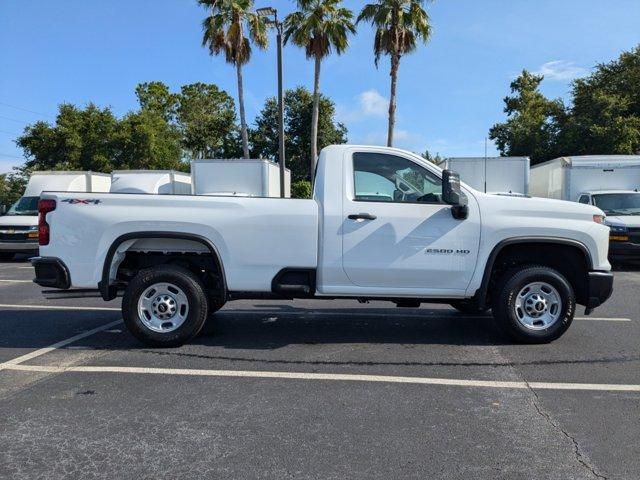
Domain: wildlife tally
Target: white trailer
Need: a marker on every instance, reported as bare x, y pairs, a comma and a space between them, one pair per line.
567, 178
162, 182
492, 174
67, 182
245, 178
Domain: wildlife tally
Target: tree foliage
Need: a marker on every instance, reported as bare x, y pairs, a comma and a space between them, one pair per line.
298, 106
400, 25
319, 26
229, 29
603, 116
532, 126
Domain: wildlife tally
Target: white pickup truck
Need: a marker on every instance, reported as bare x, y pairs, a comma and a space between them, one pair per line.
383, 224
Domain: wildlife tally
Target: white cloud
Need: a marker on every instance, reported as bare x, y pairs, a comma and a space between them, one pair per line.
374, 104
561, 70
369, 104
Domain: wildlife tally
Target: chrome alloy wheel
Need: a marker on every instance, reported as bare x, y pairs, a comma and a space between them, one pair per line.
163, 307
538, 306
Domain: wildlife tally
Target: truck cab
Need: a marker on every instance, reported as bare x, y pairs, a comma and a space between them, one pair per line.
622, 208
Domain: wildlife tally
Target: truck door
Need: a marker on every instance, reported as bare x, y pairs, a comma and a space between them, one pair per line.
397, 234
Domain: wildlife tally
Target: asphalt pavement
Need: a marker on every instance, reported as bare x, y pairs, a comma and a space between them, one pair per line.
315, 390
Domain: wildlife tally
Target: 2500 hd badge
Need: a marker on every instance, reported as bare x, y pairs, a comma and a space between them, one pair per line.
446, 251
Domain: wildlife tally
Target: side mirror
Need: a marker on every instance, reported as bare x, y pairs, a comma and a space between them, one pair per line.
452, 195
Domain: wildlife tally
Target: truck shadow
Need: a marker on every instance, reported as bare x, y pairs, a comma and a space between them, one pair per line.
280, 326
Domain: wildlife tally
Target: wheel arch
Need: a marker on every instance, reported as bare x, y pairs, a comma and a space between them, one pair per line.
109, 291
578, 248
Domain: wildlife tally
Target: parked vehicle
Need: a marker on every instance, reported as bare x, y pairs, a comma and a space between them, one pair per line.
238, 177
622, 208
609, 182
383, 224
161, 182
493, 174
19, 227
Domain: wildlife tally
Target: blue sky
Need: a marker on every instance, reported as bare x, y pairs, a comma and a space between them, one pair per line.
450, 91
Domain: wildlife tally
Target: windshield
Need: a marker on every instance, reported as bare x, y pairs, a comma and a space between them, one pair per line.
27, 206
618, 203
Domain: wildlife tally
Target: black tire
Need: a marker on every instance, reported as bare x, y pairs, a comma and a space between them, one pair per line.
469, 307
6, 256
192, 288
504, 304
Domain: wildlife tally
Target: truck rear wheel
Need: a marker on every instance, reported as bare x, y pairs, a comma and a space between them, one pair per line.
165, 306
534, 304
5, 256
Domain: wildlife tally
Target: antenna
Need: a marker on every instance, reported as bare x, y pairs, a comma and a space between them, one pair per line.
485, 164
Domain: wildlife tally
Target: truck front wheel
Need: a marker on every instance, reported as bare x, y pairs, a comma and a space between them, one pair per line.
534, 304
165, 306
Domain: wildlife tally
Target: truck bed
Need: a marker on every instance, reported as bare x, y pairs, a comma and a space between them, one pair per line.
254, 237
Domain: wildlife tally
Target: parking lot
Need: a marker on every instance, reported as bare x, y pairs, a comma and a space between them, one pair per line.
311, 389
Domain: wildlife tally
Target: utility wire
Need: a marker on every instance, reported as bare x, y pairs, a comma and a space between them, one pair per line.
9, 133
10, 156
13, 119
25, 110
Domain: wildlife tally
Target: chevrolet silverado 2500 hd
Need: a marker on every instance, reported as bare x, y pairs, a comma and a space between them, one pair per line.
382, 224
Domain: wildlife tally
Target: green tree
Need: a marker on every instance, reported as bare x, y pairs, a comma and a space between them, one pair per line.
534, 125
298, 107
435, 159
145, 140
156, 97
12, 186
399, 25
319, 26
206, 117
224, 33
605, 112
82, 139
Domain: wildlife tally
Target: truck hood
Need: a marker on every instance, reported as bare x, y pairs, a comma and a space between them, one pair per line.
624, 220
537, 207
18, 220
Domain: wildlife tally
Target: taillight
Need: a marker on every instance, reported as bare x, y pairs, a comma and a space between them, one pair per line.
44, 207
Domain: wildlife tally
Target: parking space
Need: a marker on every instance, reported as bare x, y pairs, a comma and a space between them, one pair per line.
311, 389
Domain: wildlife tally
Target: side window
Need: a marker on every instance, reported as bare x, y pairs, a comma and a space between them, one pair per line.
584, 199
380, 177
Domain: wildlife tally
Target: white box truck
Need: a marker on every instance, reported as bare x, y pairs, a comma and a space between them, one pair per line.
161, 182
19, 227
610, 182
243, 178
492, 174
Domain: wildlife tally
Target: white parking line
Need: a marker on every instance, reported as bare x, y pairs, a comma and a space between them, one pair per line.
37, 353
332, 377
60, 307
6, 280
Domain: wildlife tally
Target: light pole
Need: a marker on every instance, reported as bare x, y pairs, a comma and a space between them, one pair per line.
271, 16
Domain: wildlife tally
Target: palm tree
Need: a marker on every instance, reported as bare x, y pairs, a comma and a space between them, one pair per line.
319, 26
223, 32
399, 25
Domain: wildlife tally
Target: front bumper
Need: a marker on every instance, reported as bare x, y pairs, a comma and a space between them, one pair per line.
19, 247
600, 288
624, 251
51, 272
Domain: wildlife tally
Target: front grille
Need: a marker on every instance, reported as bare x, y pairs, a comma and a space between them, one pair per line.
18, 233
16, 228
634, 235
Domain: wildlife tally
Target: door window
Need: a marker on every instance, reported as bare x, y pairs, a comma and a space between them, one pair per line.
381, 177
584, 199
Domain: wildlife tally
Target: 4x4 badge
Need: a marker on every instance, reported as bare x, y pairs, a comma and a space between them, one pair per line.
81, 201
